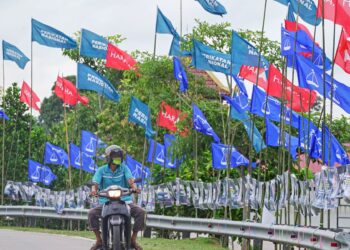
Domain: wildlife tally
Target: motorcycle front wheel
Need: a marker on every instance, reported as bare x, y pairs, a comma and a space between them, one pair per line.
116, 245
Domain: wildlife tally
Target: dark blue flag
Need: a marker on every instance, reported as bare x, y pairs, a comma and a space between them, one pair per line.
201, 124
159, 155
88, 142
273, 108
81, 160
136, 168
220, 153
169, 161
164, 26
93, 45
241, 98
3, 115
206, 58
88, 79
273, 139
55, 155
180, 74
12, 53
311, 77
48, 36
243, 53
140, 114
213, 7
47, 176
40, 173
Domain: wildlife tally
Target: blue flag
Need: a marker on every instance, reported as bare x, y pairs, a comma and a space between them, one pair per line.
88, 79
241, 98
89, 143
307, 10
273, 108
213, 7
12, 53
175, 49
81, 160
40, 173
201, 124
306, 125
180, 74
273, 139
159, 155
48, 36
243, 53
163, 25
206, 58
55, 155
93, 45
169, 161
140, 114
258, 141
220, 153
136, 168
290, 16
3, 115
311, 77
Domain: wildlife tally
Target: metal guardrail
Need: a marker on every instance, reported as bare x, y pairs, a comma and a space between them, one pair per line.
311, 238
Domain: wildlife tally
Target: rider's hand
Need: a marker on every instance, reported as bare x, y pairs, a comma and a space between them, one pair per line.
93, 193
136, 190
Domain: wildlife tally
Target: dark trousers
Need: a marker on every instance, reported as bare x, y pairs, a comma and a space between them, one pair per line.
138, 213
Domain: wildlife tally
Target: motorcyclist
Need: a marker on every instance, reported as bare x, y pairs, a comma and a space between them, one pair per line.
115, 172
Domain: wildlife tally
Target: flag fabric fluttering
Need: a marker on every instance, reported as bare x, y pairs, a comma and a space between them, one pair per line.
80, 160
136, 168
290, 15
336, 11
306, 141
206, 58
180, 74
220, 152
342, 57
3, 115
201, 124
140, 114
119, 59
55, 155
168, 116
311, 77
249, 73
159, 154
25, 97
213, 7
39, 173
88, 143
89, 79
12, 53
293, 26
51, 37
164, 26
93, 45
67, 92
273, 139
169, 161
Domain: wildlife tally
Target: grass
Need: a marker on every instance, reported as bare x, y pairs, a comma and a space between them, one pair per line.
147, 244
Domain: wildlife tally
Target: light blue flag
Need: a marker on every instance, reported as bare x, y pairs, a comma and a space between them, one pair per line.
175, 49
290, 16
213, 7
12, 53
273, 139
311, 77
40, 173
81, 160
163, 25
220, 153
140, 114
243, 53
159, 155
206, 58
88, 79
48, 36
55, 155
93, 45
136, 168
273, 108
201, 124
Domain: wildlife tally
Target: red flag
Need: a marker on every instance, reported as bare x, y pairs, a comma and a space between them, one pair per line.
337, 11
342, 57
26, 94
68, 93
168, 116
118, 59
292, 26
249, 73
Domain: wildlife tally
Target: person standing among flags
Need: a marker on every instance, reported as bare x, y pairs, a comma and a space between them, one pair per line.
115, 172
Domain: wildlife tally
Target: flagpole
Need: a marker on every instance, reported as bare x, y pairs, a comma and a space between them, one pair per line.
31, 98
3, 132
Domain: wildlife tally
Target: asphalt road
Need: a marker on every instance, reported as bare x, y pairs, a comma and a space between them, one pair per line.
16, 240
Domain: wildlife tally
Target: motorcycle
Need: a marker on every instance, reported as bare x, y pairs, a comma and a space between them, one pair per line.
116, 219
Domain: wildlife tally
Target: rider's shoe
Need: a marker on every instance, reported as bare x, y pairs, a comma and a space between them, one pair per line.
96, 246
136, 246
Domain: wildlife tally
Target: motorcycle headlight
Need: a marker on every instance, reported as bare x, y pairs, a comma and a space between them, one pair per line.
114, 193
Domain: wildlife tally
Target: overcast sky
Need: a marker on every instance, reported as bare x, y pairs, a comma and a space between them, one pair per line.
133, 19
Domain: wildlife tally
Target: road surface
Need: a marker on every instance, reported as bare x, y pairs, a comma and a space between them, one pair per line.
17, 240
